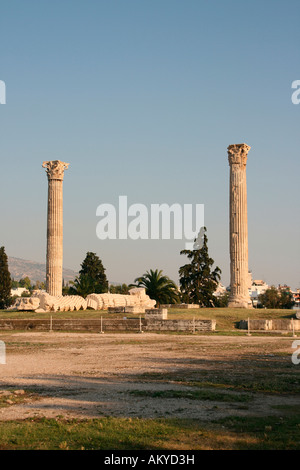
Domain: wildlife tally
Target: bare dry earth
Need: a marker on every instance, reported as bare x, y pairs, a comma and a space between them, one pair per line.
90, 375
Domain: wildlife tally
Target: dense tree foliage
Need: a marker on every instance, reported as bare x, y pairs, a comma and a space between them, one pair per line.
221, 301
5, 280
274, 298
198, 281
92, 278
119, 289
25, 282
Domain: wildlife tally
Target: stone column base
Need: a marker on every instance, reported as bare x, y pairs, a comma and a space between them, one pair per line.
240, 303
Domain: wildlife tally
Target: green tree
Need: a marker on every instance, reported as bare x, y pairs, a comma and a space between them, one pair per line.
26, 283
14, 284
119, 289
221, 301
5, 280
197, 280
270, 298
92, 278
39, 285
286, 299
82, 285
274, 298
158, 287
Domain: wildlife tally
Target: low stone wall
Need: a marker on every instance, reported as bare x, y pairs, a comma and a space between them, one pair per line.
131, 309
156, 313
71, 324
180, 325
116, 309
180, 306
96, 325
279, 324
134, 309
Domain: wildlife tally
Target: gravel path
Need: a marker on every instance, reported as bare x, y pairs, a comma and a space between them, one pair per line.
92, 375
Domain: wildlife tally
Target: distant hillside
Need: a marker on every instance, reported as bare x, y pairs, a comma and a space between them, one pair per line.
20, 268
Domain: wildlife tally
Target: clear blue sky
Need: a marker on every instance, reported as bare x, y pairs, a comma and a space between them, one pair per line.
142, 98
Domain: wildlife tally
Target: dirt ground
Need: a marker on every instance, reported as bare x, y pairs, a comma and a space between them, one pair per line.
84, 375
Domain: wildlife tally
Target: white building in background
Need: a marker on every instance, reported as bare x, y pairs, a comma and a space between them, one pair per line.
296, 298
258, 287
220, 290
295, 294
19, 291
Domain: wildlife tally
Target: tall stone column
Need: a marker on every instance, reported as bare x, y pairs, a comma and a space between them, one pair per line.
239, 277
55, 172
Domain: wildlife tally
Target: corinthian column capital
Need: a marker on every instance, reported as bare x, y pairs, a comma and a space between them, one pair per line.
55, 169
237, 154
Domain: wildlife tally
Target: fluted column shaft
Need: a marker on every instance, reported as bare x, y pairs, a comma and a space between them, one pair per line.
54, 262
239, 277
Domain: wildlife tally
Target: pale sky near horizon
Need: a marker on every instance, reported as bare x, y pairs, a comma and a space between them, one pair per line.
142, 98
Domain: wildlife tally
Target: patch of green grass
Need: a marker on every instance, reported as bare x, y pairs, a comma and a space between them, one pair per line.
265, 385
228, 318
267, 433
98, 434
193, 395
151, 434
294, 409
284, 379
19, 345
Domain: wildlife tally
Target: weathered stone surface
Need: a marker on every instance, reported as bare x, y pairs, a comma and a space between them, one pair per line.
26, 304
67, 303
156, 313
136, 302
55, 172
82, 324
239, 293
134, 309
256, 324
92, 304
137, 298
186, 306
116, 309
180, 325
46, 303
278, 324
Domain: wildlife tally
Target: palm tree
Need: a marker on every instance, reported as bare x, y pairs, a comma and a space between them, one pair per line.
82, 285
158, 287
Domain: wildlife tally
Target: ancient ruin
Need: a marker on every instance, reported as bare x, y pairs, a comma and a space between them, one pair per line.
26, 304
137, 301
55, 172
53, 300
239, 278
43, 302
137, 298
